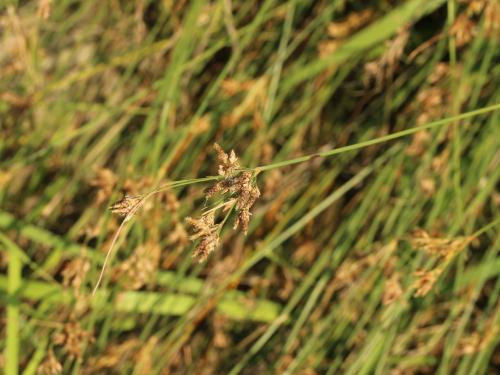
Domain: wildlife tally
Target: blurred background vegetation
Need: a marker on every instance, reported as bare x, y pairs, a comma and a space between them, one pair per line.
377, 260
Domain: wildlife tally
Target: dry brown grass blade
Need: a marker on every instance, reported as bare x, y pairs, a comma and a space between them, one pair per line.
108, 254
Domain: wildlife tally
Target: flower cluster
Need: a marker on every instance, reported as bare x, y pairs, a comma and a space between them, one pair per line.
240, 192
127, 206
444, 249
140, 268
208, 232
237, 187
73, 338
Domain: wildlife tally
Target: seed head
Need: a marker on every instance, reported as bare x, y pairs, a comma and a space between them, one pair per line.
140, 268
44, 9
463, 29
355, 20
446, 248
425, 281
228, 164
241, 194
222, 187
50, 366
247, 194
74, 273
383, 68
392, 290
207, 231
127, 206
104, 181
72, 338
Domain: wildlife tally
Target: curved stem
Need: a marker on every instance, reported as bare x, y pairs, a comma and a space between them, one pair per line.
115, 238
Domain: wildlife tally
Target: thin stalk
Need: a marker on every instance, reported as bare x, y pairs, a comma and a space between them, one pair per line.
385, 138
13, 333
356, 146
486, 228
108, 253
455, 109
179, 183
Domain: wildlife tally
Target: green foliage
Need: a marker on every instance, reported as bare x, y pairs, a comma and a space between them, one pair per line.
357, 141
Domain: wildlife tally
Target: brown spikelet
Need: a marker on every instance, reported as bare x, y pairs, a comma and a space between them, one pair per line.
328, 47
74, 273
419, 143
425, 281
178, 235
72, 338
463, 29
353, 22
428, 186
241, 186
207, 231
383, 68
392, 290
252, 102
222, 187
340, 30
240, 192
247, 194
443, 247
144, 358
492, 20
228, 164
140, 268
104, 181
127, 206
231, 87
50, 366
478, 341
44, 9
113, 355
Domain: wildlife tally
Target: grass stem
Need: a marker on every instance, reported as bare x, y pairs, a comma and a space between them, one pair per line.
13, 284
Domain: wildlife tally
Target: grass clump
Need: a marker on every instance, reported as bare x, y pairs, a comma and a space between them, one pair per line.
362, 182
